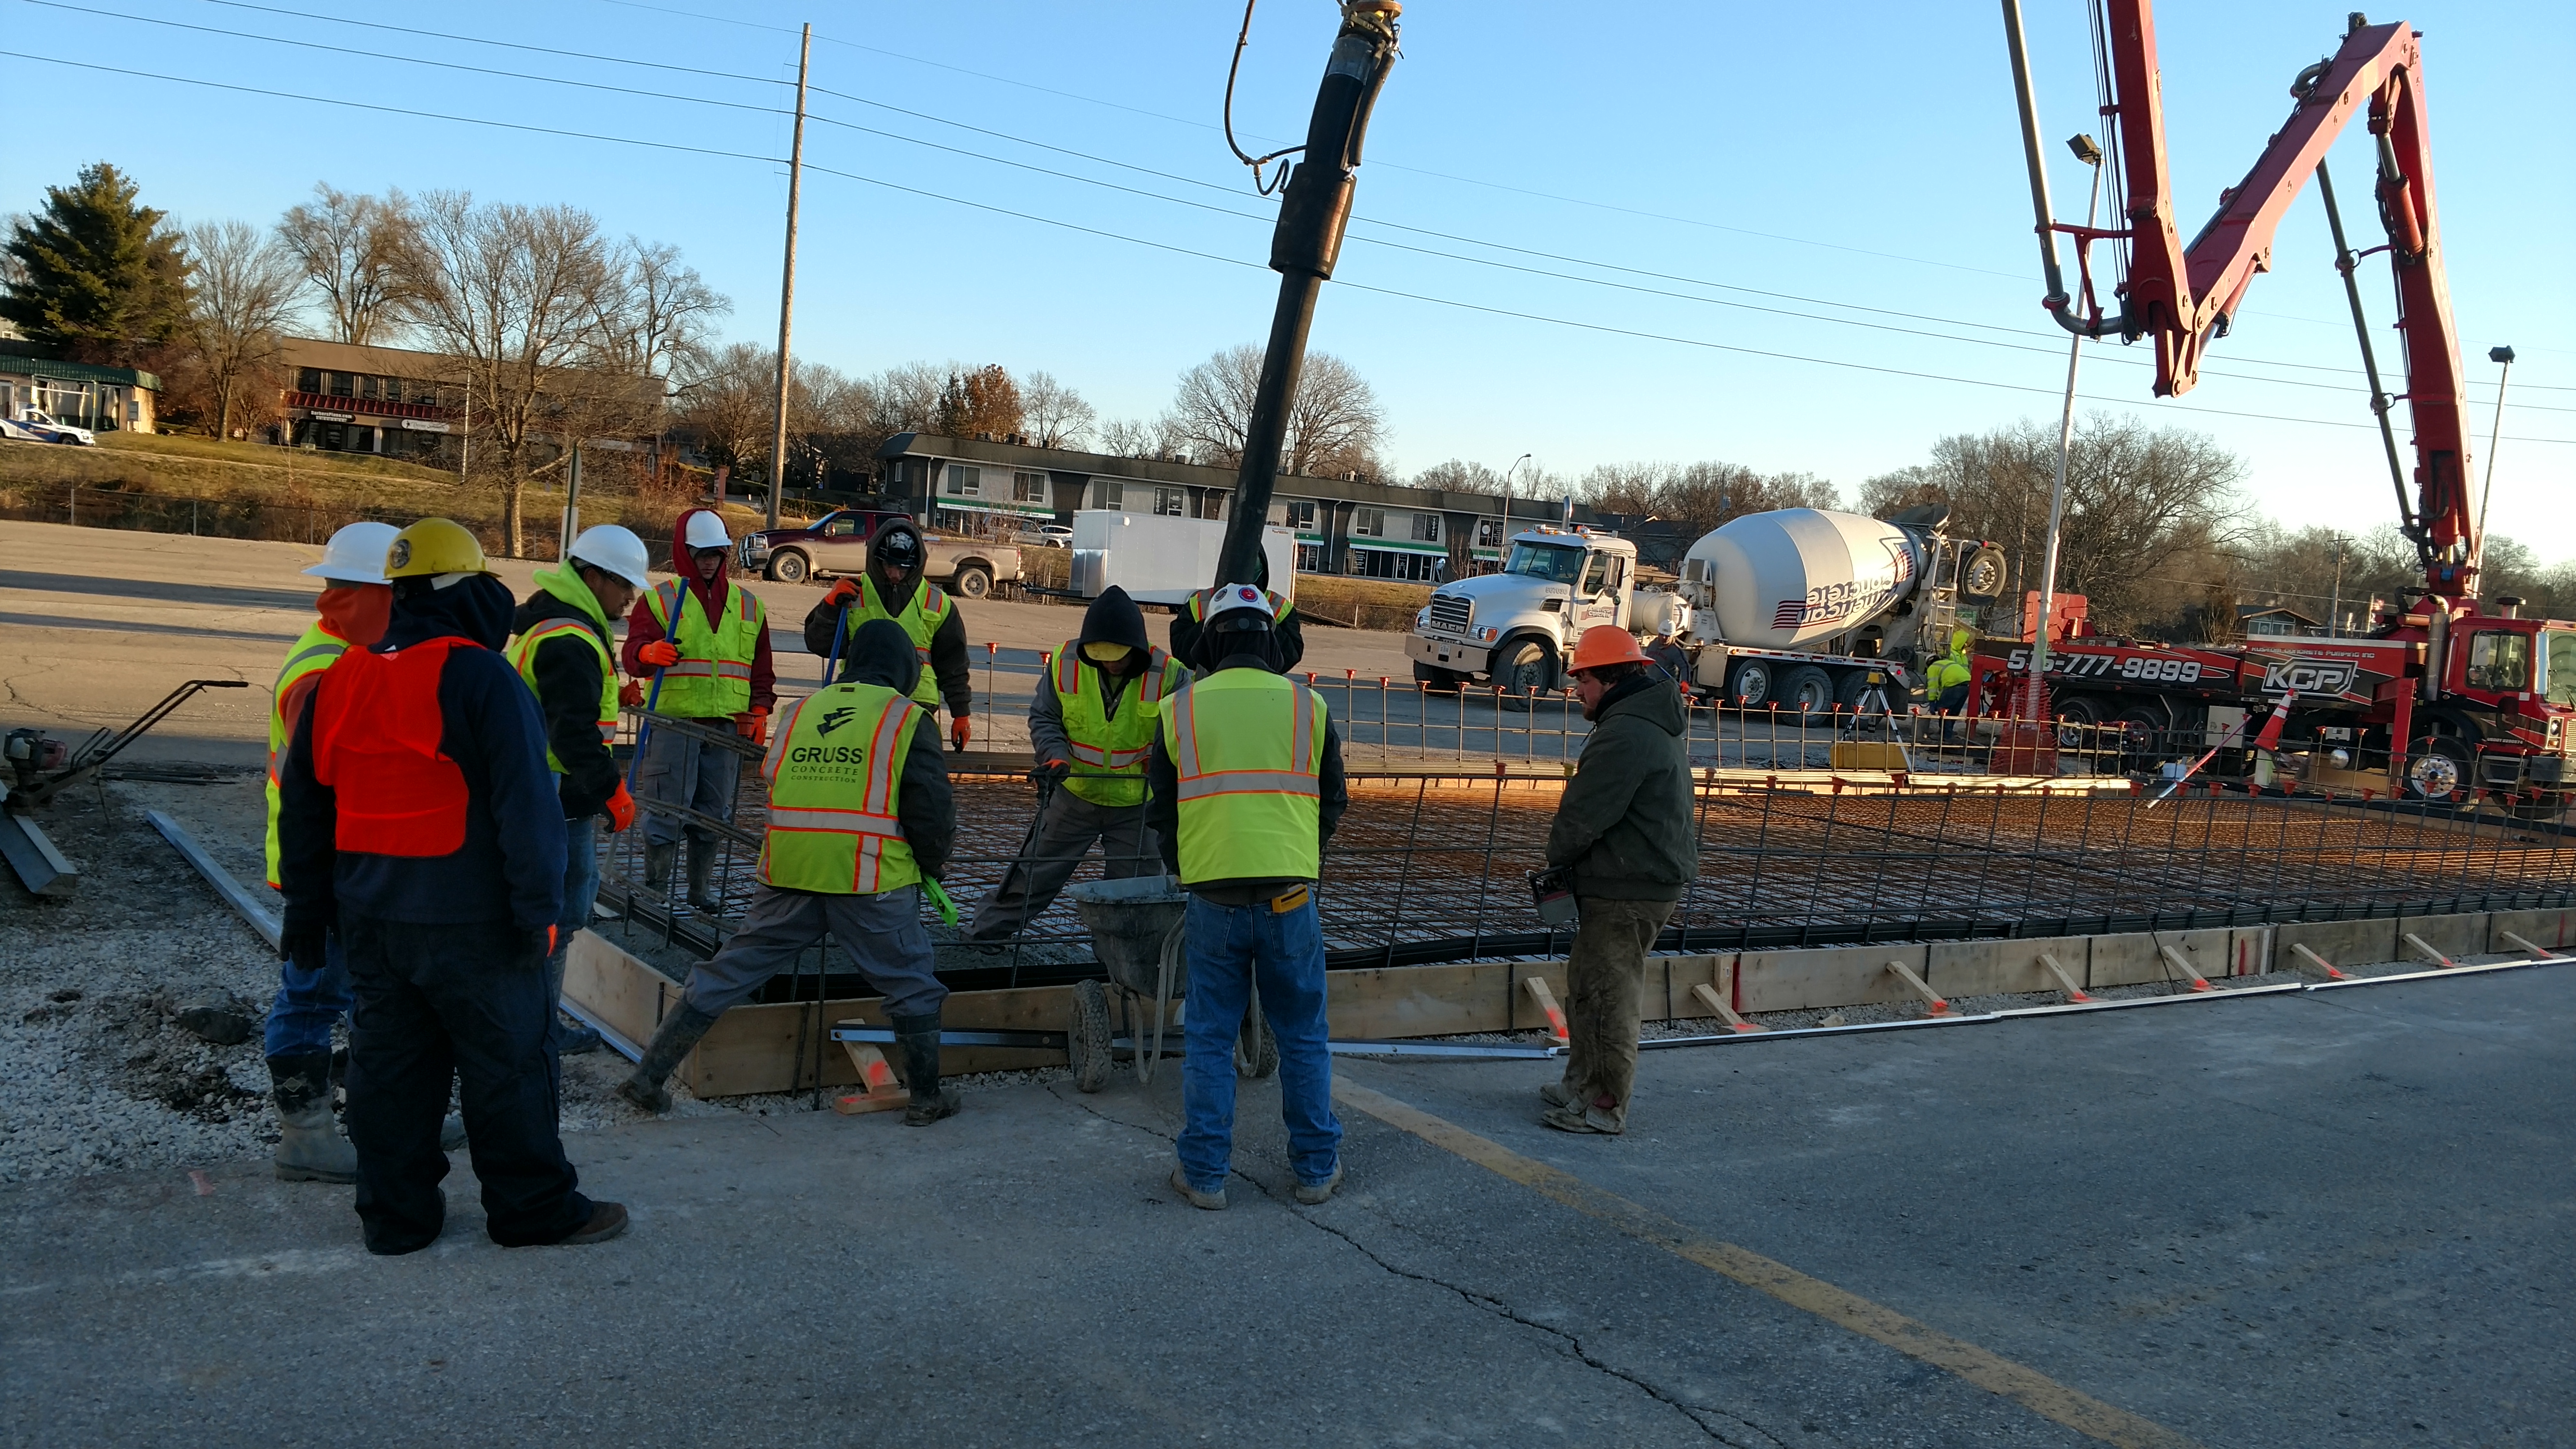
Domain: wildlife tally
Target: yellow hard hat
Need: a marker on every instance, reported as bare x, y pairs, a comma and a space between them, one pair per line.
434, 546
1103, 651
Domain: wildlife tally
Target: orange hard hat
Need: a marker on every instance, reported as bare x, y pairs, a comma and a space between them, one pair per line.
1603, 645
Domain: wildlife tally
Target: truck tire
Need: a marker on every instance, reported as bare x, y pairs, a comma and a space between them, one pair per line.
973, 581
2437, 768
789, 566
1748, 685
2079, 722
1806, 690
1524, 669
1435, 680
1857, 695
2146, 735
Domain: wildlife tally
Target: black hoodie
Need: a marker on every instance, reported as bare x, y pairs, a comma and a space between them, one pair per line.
882, 654
567, 683
947, 642
1113, 618
511, 866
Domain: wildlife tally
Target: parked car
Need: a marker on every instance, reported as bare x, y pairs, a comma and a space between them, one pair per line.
1048, 535
47, 430
837, 543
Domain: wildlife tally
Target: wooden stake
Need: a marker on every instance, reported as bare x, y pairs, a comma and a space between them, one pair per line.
2543, 952
1933, 1005
2198, 981
878, 1091
1709, 998
2320, 962
2436, 957
1546, 999
2064, 977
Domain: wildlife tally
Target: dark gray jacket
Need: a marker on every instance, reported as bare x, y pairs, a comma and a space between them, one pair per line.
1625, 823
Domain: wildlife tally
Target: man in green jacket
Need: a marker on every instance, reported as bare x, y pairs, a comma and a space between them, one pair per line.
1625, 827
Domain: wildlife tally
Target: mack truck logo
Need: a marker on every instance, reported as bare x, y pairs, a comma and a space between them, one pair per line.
2309, 676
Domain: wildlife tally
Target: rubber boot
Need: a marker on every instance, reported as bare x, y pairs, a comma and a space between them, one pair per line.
702, 869
309, 1146
918, 1036
658, 855
671, 1041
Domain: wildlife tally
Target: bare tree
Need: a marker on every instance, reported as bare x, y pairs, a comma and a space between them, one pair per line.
1335, 425
731, 405
657, 314
1700, 496
522, 300
244, 299
1054, 414
351, 248
1460, 476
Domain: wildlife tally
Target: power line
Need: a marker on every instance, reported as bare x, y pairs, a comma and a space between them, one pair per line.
307, 17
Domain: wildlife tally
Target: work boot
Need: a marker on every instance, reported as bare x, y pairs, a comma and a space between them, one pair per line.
671, 1041
309, 1146
658, 855
1604, 1116
918, 1036
1556, 1094
702, 870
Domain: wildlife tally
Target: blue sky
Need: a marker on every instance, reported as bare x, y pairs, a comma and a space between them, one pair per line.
1861, 156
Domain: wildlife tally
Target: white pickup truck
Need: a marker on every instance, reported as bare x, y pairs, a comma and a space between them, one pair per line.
1799, 607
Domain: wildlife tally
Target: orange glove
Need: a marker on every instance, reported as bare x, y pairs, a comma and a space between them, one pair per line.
960, 730
842, 592
621, 809
631, 693
661, 654
753, 725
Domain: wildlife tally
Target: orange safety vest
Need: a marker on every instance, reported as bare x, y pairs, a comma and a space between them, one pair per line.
376, 730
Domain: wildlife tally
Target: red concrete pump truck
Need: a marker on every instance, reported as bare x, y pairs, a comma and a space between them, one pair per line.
2455, 694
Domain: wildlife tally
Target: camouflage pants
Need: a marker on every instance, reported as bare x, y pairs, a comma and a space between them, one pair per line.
1605, 976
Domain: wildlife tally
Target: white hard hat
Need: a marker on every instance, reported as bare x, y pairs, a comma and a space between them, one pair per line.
616, 550
1234, 599
356, 554
707, 530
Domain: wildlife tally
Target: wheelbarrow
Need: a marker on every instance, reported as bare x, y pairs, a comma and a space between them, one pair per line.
1137, 932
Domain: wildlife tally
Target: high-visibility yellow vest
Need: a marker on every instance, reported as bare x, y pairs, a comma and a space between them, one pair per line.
920, 617
1947, 670
523, 653
835, 772
319, 648
1249, 749
713, 676
1109, 750
1279, 605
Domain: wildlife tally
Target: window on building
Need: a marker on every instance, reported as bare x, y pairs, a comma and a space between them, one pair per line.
1029, 488
344, 384
965, 482
1369, 523
308, 379
1426, 528
2499, 662
1108, 493
1489, 533
1299, 514
393, 389
1310, 559
1170, 502
366, 385
1210, 503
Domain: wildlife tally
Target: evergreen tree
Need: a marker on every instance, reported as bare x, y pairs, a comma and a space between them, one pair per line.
98, 275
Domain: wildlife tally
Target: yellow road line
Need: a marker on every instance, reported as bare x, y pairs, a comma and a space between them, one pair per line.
2027, 1387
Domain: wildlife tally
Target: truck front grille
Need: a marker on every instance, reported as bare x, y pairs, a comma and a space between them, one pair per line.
1449, 613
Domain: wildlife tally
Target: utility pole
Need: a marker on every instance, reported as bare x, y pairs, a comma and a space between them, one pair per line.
787, 283
1313, 212
2502, 357
2334, 605
571, 527
2090, 154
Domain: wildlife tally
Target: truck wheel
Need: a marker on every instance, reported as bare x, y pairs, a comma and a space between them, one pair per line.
789, 567
1749, 687
1435, 680
2437, 768
1806, 690
2146, 732
1528, 672
973, 581
2079, 723
1857, 695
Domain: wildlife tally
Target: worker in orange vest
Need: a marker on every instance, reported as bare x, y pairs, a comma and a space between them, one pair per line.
416, 812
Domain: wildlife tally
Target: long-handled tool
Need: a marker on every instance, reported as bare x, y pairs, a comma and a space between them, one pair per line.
832, 660
644, 731
42, 768
1020, 862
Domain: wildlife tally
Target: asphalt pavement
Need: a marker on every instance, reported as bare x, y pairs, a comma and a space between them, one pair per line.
2305, 1219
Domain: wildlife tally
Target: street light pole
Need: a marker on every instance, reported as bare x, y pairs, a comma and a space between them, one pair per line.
1503, 544
2090, 154
2503, 358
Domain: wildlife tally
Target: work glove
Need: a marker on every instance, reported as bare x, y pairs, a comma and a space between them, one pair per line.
305, 949
631, 693
620, 808
1051, 772
661, 654
536, 944
842, 593
960, 730
753, 725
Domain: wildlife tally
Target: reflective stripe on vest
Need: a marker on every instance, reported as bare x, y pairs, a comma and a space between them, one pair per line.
835, 774
713, 675
317, 649
1111, 749
523, 654
920, 618
1248, 747
376, 732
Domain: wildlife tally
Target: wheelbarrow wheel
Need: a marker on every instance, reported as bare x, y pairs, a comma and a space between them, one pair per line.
1256, 1051
1087, 1044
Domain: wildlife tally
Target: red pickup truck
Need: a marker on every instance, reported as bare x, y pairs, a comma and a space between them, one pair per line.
837, 543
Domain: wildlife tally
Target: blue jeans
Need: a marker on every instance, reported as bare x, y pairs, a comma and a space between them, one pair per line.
581, 888
1229, 947
308, 1004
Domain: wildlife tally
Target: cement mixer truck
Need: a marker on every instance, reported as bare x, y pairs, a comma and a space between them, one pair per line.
1798, 608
